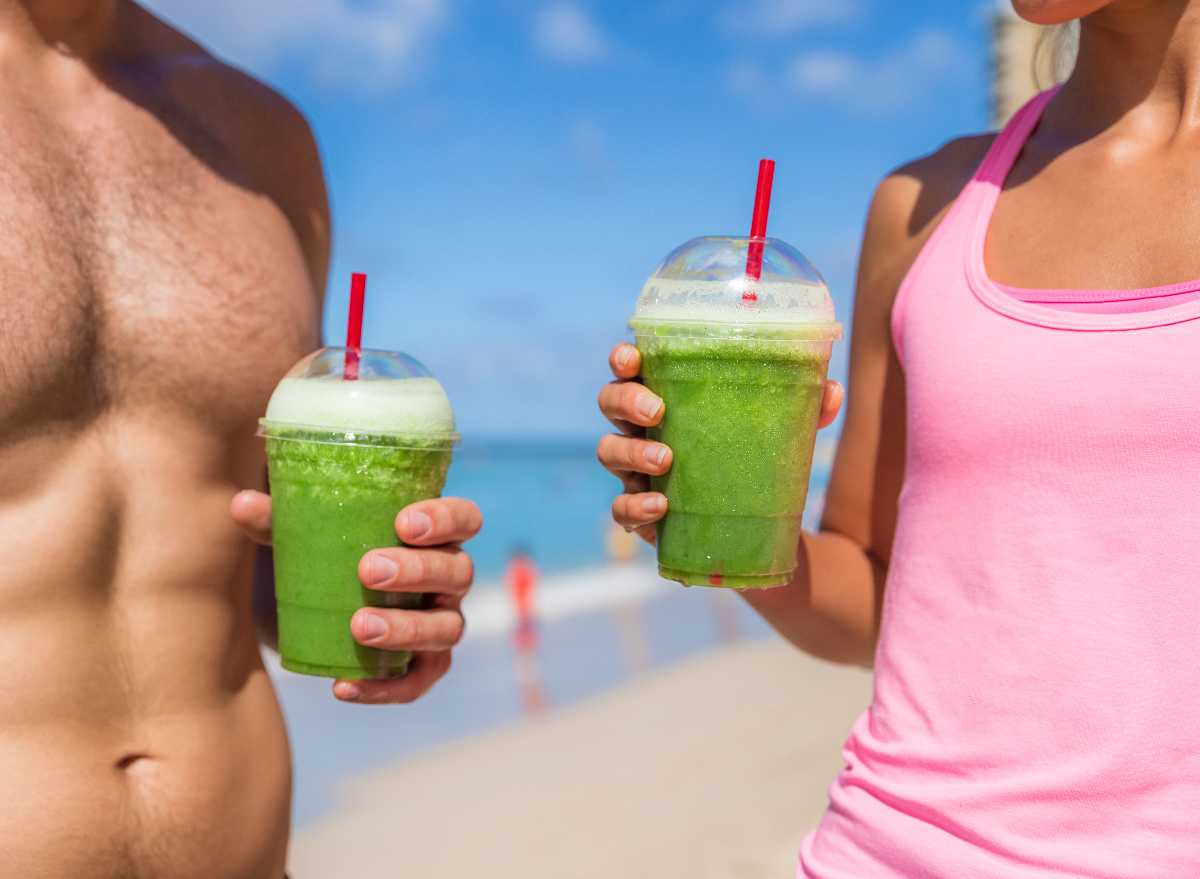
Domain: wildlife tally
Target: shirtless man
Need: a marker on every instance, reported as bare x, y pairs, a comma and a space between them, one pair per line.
164, 238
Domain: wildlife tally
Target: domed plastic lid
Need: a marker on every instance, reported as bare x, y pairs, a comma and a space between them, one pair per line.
704, 289
390, 399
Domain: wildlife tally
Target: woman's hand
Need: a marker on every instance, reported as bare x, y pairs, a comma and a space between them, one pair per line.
632, 458
432, 562
628, 455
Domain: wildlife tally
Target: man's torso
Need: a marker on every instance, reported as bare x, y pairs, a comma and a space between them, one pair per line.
150, 298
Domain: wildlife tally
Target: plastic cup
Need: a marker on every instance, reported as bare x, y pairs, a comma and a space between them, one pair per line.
741, 365
344, 457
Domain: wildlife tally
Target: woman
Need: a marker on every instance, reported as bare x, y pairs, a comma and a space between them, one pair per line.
1020, 466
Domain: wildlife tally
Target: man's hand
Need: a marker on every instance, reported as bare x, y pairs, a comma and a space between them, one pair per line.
433, 562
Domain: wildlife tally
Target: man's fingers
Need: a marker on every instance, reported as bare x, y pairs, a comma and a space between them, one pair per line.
630, 403
625, 361
621, 454
831, 403
423, 673
394, 629
445, 569
251, 511
438, 522
634, 510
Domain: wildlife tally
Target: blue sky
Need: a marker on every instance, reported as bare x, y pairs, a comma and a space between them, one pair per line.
507, 172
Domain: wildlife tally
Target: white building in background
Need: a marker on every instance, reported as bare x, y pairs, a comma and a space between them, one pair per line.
1026, 58
1014, 50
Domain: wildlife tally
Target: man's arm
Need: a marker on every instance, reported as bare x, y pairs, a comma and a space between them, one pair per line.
275, 144
266, 617
269, 139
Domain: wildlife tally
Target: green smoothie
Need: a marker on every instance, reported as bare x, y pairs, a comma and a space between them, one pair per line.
345, 456
331, 504
741, 420
737, 344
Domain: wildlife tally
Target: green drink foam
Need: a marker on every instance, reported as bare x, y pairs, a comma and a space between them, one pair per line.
403, 406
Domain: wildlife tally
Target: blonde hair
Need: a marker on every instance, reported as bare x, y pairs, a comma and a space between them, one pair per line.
1055, 53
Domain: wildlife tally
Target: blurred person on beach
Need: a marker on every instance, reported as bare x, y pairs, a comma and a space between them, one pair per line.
1009, 533
164, 239
521, 576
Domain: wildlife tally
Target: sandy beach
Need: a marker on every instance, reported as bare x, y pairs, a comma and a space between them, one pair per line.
712, 767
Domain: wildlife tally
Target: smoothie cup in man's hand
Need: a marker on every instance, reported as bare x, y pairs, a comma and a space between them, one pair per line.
735, 336
353, 437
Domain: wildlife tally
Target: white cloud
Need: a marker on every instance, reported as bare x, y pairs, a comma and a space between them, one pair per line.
344, 42
826, 73
893, 79
764, 19
566, 32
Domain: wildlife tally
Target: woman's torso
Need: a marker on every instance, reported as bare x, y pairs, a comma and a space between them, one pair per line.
1034, 710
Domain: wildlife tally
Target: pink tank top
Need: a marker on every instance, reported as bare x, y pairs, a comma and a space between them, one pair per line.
1037, 681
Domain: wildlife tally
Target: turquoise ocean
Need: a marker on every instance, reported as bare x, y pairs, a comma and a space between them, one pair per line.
550, 498
553, 499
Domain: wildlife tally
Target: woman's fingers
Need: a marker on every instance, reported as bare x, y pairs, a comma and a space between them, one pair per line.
626, 402
444, 569
636, 510
630, 406
637, 513
438, 522
622, 455
423, 673
251, 511
831, 403
625, 361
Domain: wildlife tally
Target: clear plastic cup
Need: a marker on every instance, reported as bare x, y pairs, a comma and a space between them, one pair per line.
344, 457
740, 364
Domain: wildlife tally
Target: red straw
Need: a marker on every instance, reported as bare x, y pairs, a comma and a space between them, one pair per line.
358, 291
758, 225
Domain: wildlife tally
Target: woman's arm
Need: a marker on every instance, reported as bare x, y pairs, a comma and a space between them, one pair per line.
832, 607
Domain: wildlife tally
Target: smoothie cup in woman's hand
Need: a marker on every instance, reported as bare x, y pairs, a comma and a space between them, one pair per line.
740, 363
353, 437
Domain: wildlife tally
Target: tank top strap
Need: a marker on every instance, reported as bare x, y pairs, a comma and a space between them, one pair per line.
993, 170
974, 204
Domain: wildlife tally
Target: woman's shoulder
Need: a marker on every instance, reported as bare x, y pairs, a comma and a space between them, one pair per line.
907, 207
916, 194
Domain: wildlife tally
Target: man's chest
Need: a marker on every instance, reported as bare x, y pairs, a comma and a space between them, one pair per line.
132, 272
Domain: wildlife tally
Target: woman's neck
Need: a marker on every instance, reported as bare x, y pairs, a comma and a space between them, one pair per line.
1138, 69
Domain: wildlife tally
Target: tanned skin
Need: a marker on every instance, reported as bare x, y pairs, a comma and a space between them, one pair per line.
1106, 194
164, 239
